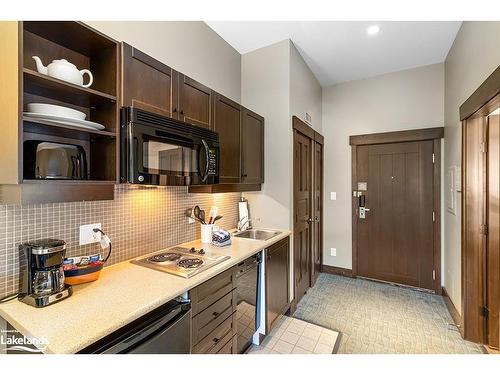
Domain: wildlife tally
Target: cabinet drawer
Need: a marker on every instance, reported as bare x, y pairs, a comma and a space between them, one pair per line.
212, 290
230, 347
207, 320
218, 338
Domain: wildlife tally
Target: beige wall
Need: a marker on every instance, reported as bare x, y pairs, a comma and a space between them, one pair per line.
265, 89
277, 83
305, 90
409, 99
190, 47
472, 58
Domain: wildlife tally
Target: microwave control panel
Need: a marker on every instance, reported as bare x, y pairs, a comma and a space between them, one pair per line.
212, 162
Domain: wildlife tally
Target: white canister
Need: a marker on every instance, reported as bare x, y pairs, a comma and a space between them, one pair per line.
206, 233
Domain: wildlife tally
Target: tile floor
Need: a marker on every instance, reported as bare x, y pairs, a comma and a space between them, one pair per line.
294, 336
381, 318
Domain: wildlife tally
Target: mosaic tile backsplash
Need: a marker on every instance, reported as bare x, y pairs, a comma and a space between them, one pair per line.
139, 220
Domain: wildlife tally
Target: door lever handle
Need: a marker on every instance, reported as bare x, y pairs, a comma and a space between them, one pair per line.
366, 209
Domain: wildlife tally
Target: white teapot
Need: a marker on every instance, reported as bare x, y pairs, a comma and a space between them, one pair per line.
64, 70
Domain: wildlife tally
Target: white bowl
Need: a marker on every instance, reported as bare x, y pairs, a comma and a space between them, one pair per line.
56, 110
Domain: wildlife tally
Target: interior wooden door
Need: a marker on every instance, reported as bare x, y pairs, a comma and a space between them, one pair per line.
303, 215
317, 245
195, 102
493, 242
473, 237
395, 236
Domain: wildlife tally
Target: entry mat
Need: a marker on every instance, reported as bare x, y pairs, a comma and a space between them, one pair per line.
295, 336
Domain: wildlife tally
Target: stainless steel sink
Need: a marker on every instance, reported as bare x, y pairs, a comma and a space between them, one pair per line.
257, 234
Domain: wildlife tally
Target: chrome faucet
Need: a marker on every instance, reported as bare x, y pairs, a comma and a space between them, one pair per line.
241, 223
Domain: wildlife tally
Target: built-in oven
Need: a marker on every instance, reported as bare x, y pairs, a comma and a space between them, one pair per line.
165, 330
157, 150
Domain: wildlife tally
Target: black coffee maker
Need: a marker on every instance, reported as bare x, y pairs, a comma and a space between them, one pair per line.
42, 274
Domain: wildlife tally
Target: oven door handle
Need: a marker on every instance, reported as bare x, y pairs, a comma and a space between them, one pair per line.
161, 325
204, 176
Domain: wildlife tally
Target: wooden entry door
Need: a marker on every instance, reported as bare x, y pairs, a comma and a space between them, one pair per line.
395, 236
302, 218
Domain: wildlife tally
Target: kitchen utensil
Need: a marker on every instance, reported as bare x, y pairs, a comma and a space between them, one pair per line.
64, 70
218, 217
213, 213
55, 110
65, 120
202, 216
197, 214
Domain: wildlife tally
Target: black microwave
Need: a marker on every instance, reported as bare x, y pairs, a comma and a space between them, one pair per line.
157, 150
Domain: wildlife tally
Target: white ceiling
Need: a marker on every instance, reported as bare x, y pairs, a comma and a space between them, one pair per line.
339, 51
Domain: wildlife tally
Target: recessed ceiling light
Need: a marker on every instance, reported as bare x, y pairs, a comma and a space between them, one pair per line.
372, 30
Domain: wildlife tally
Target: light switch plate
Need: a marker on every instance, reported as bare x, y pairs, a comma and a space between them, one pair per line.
333, 196
87, 234
333, 251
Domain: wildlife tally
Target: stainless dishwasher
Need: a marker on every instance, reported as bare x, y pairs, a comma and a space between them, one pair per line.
247, 291
165, 330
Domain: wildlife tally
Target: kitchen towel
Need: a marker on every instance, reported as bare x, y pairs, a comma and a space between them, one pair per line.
243, 213
221, 238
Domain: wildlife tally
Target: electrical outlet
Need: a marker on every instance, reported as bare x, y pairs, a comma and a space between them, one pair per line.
87, 234
333, 251
333, 195
191, 220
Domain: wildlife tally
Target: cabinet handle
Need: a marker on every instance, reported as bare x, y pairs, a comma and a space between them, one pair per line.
174, 110
215, 313
216, 340
244, 175
182, 112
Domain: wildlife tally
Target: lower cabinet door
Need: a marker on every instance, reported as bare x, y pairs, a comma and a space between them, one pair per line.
277, 279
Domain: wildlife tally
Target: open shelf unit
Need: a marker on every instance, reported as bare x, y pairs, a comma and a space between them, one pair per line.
87, 49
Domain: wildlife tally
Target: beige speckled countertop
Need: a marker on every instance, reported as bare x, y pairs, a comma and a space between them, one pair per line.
123, 293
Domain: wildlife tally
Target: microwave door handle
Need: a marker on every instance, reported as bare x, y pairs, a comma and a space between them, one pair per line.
74, 166
207, 157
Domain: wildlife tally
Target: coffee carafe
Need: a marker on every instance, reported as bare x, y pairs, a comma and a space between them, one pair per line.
42, 277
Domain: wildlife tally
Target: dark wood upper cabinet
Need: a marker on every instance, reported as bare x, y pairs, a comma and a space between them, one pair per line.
24, 84
252, 153
277, 278
148, 84
227, 122
195, 102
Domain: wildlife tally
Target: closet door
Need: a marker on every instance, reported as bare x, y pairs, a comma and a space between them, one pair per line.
317, 246
473, 236
493, 248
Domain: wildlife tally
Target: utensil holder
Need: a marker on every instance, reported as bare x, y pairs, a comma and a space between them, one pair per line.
206, 233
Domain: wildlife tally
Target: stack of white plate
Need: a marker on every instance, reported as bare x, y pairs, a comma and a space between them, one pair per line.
60, 115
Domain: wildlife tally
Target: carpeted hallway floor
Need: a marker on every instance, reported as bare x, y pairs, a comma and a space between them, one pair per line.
379, 318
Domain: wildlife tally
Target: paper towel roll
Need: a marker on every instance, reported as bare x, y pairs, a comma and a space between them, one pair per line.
243, 213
